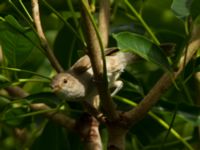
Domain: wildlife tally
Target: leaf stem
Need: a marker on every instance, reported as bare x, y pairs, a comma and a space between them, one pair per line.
37, 113
139, 17
33, 80
26, 11
25, 71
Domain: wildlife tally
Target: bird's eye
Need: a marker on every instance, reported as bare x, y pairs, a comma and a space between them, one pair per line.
65, 81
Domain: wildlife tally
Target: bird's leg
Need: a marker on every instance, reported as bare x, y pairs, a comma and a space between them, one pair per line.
117, 85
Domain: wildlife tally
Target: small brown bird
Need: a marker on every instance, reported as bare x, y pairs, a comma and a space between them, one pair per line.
77, 84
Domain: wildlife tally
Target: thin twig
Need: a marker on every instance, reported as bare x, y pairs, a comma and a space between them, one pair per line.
164, 82
104, 18
44, 43
26, 11
144, 24
95, 55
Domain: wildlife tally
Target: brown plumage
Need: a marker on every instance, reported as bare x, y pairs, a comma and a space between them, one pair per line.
77, 83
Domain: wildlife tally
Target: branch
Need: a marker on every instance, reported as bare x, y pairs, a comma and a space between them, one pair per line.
44, 43
104, 18
117, 136
165, 81
88, 128
94, 53
56, 117
59, 118
16, 92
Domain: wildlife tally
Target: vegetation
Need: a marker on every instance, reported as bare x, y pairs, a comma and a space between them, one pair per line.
158, 106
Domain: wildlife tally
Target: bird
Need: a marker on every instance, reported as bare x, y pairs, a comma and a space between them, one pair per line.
77, 83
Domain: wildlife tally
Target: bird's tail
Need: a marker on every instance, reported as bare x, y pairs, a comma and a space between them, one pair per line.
127, 58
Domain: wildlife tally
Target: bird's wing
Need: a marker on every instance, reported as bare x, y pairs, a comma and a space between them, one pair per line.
83, 64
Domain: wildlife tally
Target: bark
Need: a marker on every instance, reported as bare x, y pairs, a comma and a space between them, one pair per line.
94, 53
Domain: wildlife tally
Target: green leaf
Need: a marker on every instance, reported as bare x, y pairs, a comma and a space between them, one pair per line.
143, 47
13, 22
181, 7
17, 43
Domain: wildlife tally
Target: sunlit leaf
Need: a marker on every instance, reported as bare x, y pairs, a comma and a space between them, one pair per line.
143, 47
181, 7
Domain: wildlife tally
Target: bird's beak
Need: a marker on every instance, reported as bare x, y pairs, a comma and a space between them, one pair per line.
55, 88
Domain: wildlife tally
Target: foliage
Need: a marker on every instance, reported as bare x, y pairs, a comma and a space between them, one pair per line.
142, 27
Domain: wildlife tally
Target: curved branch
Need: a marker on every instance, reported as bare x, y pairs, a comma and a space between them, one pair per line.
44, 43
